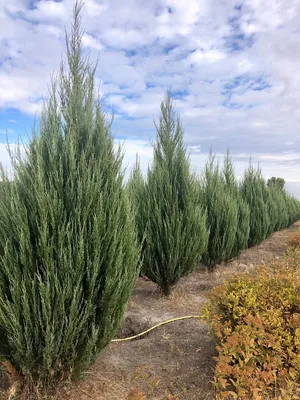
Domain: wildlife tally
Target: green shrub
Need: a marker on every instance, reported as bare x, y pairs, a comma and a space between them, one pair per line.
294, 241
176, 234
222, 214
253, 192
256, 321
68, 252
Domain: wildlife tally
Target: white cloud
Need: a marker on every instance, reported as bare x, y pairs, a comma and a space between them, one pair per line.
93, 9
210, 56
90, 41
281, 157
235, 71
49, 10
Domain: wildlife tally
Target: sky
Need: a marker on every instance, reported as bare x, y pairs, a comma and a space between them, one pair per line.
233, 68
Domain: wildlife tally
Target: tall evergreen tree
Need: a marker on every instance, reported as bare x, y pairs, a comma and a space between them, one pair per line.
68, 251
272, 206
136, 191
176, 222
243, 217
293, 207
252, 189
222, 214
279, 197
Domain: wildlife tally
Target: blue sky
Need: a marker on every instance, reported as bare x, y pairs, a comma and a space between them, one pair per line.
233, 67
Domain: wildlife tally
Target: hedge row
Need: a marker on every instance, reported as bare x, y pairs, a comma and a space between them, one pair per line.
182, 219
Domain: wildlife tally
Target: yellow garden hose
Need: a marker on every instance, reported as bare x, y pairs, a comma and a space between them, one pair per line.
156, 326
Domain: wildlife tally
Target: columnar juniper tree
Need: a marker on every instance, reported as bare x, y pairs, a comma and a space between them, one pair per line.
243, 218
136, 189
293, 206
252, 189
136, 184
176, 234
287, 205
279, 197
68, 253
271, 204
222, 214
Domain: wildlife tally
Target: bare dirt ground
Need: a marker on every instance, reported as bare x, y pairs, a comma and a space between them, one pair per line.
174, 361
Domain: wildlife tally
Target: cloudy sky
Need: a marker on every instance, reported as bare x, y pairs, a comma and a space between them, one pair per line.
233, 68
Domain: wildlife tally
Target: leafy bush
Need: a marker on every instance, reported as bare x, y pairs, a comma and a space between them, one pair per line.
222, 214
176, 234
68, 252
256, 321
294, 241
253, 192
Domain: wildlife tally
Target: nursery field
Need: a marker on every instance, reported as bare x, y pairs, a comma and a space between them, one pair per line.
174, 361
90, 260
